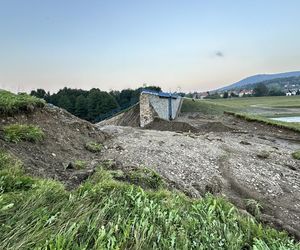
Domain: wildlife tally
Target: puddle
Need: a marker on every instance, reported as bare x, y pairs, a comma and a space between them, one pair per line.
287, 119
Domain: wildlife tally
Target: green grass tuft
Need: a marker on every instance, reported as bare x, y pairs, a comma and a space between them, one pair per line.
21, 132
143, 177
106, 214
93, 147
11, 103
78, 164
296, 155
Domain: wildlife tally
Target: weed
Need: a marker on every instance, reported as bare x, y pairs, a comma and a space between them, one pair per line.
296, 155
12, 177
93, 147
254, 208
78, 164
142, 177
21, 132
11, 103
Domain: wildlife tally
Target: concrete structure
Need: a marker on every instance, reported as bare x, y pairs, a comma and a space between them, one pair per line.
158, 104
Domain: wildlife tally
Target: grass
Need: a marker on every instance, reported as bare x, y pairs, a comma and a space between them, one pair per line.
258, 109
294, 126
11, 103
79, 164
205, 107
296, 155
93, 147
21, 132
106, 214
143, 177
266, 101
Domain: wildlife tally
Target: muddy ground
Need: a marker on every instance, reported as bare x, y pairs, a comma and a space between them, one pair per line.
225, 156
64, 143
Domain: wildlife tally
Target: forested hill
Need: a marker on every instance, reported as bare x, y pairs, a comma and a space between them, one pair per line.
252, 80
93, 105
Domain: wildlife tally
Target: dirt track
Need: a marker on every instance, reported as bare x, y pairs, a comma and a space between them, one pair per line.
247, 161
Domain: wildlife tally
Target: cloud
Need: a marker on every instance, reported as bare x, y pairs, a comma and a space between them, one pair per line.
219, 53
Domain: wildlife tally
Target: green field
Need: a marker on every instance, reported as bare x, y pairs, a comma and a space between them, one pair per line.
251, 108
268, 101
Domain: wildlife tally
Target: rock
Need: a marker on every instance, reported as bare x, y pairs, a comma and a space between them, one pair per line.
245, 143
263, 155
119, 148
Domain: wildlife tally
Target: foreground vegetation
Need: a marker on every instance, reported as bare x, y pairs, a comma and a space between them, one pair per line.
296, 155
107, 214
23, 132
11, 103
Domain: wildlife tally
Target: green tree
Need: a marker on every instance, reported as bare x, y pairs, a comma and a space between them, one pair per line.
64, 102
40, 93
261, 90
81, 107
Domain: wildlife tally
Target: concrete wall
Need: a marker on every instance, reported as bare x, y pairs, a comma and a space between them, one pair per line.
151, 105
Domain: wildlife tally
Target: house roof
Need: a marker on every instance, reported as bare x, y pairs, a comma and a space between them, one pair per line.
161, 94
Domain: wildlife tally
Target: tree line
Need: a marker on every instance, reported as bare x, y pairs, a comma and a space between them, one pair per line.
93, 105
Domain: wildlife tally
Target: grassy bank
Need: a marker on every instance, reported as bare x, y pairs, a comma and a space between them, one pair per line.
294, 126
205, 107
11, 103
249, 109
107, 214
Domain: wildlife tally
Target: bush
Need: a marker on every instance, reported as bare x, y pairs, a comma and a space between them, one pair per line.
296, 155
18, 132
93, 147
11, 103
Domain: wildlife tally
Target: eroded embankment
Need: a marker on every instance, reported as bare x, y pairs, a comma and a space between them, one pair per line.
63, 146
130, 117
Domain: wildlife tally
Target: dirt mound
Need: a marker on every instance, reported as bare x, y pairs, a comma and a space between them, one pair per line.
182, 126
130, 117
164, 125
64, 143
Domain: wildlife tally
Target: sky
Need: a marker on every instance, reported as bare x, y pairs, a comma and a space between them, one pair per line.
115, 44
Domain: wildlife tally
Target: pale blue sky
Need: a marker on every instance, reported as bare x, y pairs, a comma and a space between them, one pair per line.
194, 45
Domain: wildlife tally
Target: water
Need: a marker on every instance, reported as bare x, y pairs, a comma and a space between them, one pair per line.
287, 119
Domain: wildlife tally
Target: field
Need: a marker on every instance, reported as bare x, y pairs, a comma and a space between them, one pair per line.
251, 108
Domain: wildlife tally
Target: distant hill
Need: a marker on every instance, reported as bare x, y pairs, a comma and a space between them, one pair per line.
259, 78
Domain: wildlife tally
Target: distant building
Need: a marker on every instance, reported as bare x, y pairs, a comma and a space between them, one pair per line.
291, 92
200, 95
245, 92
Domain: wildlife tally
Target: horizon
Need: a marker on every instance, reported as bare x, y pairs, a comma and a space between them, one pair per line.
191, 46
